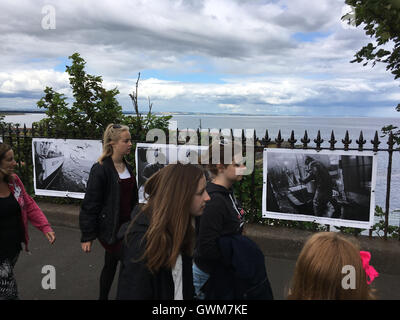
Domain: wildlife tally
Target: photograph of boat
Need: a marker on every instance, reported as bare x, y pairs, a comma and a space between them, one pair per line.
49, 161
327, 187
62, 167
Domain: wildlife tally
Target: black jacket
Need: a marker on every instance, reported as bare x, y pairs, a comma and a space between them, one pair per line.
223, 215
136, 282
241, 273
99, 214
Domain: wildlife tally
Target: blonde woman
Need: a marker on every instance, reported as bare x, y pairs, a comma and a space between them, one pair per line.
109, 199
157, 258
319, 269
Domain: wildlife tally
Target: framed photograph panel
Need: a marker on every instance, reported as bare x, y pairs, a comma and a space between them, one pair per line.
61, 167
151, 157
327, 187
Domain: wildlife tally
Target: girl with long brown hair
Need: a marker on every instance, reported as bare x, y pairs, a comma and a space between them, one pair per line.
157, 261
110, 197
325, 261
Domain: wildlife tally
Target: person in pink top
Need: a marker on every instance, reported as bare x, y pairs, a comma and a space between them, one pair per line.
17, 208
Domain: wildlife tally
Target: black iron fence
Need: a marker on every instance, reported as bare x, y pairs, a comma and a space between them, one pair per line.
21, 141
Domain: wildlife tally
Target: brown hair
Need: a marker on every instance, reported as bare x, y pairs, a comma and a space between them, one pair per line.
4, 148
228, 153
170, 192
318, 272
111, 134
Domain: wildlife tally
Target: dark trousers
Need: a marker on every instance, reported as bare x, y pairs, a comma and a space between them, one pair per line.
107, 274
8, 285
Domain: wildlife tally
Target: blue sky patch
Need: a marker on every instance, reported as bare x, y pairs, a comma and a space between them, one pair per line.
310, 36
197, 77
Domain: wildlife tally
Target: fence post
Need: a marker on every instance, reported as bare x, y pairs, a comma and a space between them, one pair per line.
346, 141
26, 151
388, 181
10, 135
361, 141
253, 176
292, 140
18, 147
318, 141
279, 139
305, 140
332, 141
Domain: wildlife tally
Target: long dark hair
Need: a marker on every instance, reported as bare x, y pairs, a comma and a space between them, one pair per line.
4, 148
170, 192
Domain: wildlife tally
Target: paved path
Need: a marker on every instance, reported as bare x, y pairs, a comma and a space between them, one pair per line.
77, 273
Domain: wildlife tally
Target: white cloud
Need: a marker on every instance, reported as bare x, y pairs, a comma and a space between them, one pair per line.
32, 80
247, 45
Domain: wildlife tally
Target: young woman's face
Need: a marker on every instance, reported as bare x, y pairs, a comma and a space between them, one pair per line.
199, 199
8, 163
123, 145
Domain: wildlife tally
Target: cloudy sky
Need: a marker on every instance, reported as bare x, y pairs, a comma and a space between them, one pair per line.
278, 57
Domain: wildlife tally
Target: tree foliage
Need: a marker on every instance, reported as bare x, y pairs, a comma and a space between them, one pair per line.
93, 108
381, 21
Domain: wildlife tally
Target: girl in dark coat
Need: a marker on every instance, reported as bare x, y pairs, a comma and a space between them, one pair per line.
157, 261
222, 216
109, 199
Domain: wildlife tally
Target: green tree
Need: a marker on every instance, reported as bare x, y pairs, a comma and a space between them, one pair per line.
94, 106
381, 21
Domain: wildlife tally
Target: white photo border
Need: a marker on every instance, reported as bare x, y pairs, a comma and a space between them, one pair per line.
57, 193
321, 220
174, 152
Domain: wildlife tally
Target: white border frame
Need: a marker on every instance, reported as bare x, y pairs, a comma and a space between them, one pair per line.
321, 220
173, 155
58, 193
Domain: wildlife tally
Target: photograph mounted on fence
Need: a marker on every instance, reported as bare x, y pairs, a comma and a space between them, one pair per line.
151, 157
327, 187
62, 167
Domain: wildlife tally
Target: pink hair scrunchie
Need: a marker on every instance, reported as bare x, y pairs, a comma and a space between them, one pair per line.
369, 270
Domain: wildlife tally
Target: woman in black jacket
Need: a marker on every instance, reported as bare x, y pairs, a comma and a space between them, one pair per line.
110, 197
157, 253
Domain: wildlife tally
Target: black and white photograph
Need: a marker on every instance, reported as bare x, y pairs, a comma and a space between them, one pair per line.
62, 167
151, 157
327, 187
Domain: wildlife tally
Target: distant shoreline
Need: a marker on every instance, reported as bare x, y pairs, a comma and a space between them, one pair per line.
177, 113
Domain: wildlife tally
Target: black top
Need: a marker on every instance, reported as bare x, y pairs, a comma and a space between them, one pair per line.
100, 211
223, 215
11, 229
136, 282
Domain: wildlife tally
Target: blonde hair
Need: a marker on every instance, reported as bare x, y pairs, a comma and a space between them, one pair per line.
111, 134
318, 272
